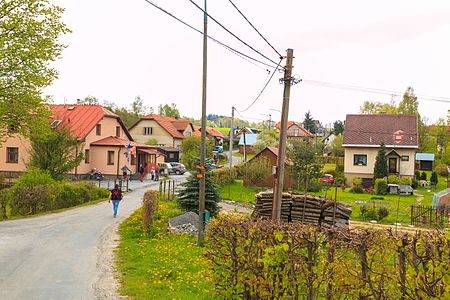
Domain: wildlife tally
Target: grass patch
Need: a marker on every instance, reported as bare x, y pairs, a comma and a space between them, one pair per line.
160, 265
239, 193
249, 155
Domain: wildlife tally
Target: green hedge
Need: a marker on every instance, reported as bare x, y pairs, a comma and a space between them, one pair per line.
380, 186
269, 260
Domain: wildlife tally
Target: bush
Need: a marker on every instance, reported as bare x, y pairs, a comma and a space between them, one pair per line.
417, 175
315, 185
405, 180
330, 171
256, 170
150, 205
414, 184
34, 177
221, 176
392, 179
380, 186
382, 213
434, 178
356, 181
30, 200
442, 170
356, 189
373, 212
423, 176
5, 197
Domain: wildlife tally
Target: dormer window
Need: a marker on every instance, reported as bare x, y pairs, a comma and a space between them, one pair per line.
55, 123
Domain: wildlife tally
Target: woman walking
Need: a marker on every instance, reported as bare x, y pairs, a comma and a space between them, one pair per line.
116, 195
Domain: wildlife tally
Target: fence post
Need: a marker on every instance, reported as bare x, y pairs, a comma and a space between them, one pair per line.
173, 189
164, 192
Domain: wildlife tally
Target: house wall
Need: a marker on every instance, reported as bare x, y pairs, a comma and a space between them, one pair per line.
188, 131
295, 131
159, 133
406, 168
248, 149
24, 147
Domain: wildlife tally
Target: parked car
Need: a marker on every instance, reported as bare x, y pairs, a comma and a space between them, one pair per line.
218, 149
164, 168
327, 178
177, 168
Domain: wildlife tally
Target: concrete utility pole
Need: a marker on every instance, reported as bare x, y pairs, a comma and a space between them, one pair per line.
201, 174
279, 178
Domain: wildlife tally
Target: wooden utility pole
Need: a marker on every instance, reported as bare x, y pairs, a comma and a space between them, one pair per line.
202, 170
279, 178
231, 148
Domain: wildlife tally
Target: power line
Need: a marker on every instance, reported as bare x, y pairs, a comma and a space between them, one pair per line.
227, 30
280, 56
260, 93
371, 90
232, 50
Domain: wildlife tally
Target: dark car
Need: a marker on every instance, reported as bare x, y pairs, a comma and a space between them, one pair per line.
177, 168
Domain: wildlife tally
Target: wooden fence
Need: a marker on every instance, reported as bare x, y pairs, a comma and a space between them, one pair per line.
434, 216
167, 190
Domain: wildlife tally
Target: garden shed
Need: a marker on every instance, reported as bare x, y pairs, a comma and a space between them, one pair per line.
424, 161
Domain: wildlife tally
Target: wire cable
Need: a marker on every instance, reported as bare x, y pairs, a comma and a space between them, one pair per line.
280, 56
210, 37
227, 30
371, 90
260, 93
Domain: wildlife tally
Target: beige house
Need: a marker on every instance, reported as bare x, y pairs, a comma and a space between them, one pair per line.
167, 131
296, 130
104, 140
363, 135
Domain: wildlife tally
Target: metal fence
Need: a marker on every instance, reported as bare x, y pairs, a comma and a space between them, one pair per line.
433, 216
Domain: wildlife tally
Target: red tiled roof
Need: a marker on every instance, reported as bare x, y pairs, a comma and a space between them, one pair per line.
115, 141
81, 119
172, 125
372, 130
210, 131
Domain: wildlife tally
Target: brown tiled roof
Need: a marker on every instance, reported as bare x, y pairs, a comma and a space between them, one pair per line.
274, 150
172, 125
305, 132
82, 119
210, 131
372, 130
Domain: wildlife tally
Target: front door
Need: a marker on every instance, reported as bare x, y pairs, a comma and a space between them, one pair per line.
392, 165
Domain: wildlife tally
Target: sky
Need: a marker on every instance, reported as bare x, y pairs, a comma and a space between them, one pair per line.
121, 49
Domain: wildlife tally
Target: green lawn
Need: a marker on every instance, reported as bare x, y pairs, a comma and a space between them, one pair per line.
249, 155
239, 193
161, 265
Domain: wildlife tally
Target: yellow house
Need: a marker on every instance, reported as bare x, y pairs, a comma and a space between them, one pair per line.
363, 135
167, 131
103, 139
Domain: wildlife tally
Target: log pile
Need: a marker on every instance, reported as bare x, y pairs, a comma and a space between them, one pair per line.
306, 209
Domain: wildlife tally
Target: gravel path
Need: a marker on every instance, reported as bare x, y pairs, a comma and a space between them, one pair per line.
66, 255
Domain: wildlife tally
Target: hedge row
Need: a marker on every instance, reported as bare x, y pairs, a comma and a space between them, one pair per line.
149, 205
268, 260
30, 200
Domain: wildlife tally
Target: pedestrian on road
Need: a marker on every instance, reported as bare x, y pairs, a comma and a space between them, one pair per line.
141, 172
152, 172
125, 171
157, 172
115, 196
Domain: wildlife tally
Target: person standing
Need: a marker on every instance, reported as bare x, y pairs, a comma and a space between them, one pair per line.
125, 171
115, 196
152, 173
157, 172
141, 172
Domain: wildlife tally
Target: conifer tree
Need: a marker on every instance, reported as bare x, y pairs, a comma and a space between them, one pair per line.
381, 170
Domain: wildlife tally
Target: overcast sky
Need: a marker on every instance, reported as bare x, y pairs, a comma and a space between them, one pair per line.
120, 49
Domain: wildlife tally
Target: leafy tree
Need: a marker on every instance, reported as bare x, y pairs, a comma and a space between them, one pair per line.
434, 178
441, 134
373, 108
256, 170
305, 166
308, 123
380, 169
138, 108
188, 197
90, 100
336, 146
338, 127
271, 139
190, 148
57, 152
169, 110
128, 117
409, 104
29, 43
423, 176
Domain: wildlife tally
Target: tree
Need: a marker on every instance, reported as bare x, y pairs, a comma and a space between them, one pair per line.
271, 139
380, 169
90, 100
308, 123
409, 104
434, 178
29, 43
305, 166
336, 146
441, 134
189, 194
338, 127
169, 110
57, 152
190, 148
373, 108
138, 108
256, 170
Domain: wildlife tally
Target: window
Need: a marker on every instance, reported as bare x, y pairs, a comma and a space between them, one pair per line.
296, 132
405, 157
360, 160
133, 159
117, 131
86, 156
98, 129
12, 155
110, 157
148, 130
172, 155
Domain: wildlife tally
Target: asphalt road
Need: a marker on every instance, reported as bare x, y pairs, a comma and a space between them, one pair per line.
64, 255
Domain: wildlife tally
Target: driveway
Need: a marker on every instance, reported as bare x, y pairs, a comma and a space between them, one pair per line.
65, 255
235, 160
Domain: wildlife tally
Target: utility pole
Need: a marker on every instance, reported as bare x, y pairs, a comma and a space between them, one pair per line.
279, 178
270, 121
201, 174
231, 150
245, 148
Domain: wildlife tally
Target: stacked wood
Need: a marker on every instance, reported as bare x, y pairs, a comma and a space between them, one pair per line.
304, 208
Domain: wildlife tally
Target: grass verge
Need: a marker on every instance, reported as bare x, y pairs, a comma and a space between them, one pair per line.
238, 192
161, 265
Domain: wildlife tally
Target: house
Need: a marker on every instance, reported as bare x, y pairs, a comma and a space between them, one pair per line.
170, 154
247, 141
102, 136
167, 131
216, 135
248, 130
271, 154
424, 161
295, 130
326, 141
363, 135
